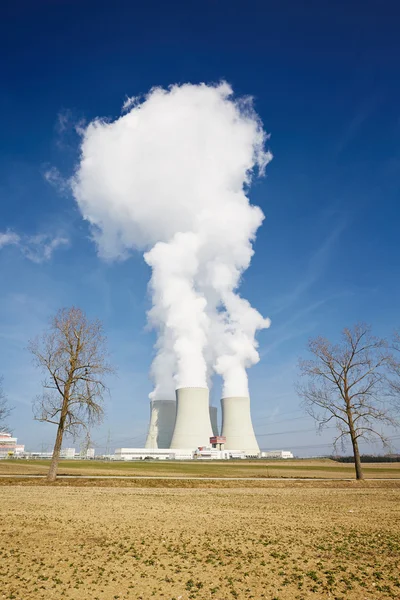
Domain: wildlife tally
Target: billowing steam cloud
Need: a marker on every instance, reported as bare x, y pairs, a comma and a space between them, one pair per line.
169, 177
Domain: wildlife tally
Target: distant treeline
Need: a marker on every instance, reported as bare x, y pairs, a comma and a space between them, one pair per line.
367, 458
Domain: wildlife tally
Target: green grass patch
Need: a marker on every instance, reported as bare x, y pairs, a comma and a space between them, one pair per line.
318, 468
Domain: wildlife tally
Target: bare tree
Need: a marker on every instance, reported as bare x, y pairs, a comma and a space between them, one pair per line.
73, 355
5, 409
347, 386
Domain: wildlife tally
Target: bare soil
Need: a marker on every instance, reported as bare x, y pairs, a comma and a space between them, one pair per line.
283, 541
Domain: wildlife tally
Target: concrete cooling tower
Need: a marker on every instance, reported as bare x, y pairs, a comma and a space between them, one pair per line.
192, 424
237, 427
162, 421
214, 419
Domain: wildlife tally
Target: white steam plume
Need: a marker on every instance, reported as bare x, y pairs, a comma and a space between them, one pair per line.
169, 177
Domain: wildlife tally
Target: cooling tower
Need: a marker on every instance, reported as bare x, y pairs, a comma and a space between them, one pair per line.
192, 424
213, 419
162, 421
237, 427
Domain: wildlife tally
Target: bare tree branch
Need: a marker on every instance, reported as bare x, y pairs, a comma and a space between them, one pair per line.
5, 408
394, 377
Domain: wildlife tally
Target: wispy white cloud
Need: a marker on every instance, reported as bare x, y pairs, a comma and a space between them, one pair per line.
9, 238
312, 272
63, 120
40, 248
53, 176
68, 122
130, 102
37, 248
287, 331
358, 121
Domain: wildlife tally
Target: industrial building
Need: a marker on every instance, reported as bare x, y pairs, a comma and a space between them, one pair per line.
184, 428
202, 453
277, 454
9, 446
210, 453
154, 453
69, 453
237, 427
190, 422
162, 423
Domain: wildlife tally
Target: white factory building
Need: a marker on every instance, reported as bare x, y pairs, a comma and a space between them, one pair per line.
158, 453
277, 454
69, 453
9, 446
64, 453
202, 453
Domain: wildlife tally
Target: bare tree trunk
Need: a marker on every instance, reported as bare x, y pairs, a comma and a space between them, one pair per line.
52, 474
357, 460
356, 452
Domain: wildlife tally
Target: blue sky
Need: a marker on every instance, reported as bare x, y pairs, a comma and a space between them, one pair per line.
325, 78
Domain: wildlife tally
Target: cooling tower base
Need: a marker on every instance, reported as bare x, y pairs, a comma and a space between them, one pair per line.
192, 424
237, 427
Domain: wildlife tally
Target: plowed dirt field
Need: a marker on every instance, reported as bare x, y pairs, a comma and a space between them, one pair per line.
286, 541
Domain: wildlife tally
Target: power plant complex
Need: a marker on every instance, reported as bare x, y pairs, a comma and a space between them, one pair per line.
196, 233
189, 422
181, 429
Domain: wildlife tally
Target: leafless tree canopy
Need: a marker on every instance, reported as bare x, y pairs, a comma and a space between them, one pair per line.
347, 386
73, 355
394, 377
5, 409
